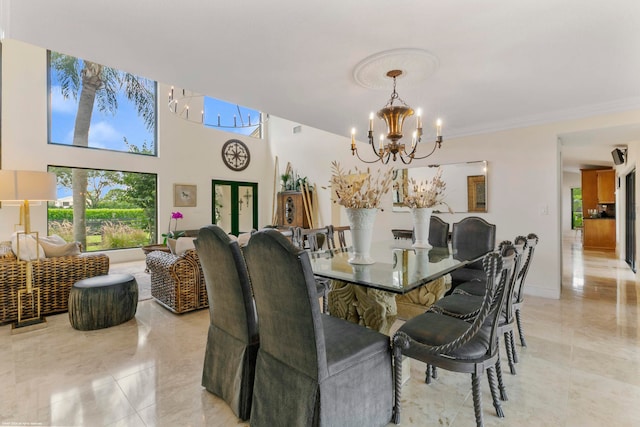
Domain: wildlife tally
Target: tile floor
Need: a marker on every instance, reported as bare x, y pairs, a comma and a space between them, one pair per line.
581, 366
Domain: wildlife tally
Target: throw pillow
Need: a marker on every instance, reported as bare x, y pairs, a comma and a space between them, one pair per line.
56, 246
183, 244
29, 248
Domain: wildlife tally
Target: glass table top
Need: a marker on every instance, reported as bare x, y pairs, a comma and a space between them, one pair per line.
399, 268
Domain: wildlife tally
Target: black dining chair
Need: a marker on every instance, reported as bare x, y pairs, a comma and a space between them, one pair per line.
438, 232
466, 306
473, 288
312, 369
233, 340
457, 345
471, 237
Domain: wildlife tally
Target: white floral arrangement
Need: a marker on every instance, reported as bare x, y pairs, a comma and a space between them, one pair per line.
426, 194
359, 189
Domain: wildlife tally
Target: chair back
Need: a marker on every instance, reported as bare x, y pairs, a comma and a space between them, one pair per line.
532, 241
312, 239
501, 275
231, 306
438, 232
472, 237
287, 303
520, 247
339, 232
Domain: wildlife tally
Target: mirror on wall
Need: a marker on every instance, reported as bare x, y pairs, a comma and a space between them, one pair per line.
466, 185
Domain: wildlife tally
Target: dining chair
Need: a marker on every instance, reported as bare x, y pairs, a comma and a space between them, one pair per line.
339, 231
466, 306
518, 296
457, 345
312, 369
471, 237
438, 232
473, 288
233, 340
313, 239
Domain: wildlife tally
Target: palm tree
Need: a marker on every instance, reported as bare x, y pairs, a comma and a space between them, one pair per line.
89, 82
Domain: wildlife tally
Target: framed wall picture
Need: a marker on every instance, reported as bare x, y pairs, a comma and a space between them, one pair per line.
185, 195
476, 193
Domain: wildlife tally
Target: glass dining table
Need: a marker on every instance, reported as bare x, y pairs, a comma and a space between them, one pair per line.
366, 294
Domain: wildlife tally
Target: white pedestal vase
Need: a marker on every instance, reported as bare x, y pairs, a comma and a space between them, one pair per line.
421, 220
361, 222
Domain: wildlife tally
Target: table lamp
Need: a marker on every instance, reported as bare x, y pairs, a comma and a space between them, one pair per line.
24, 187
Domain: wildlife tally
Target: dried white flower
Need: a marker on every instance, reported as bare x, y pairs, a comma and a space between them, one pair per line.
359, 189
426, 194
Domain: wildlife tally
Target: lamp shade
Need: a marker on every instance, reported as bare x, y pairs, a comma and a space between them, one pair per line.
27, 185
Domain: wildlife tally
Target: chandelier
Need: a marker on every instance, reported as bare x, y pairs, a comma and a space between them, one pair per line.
394, 116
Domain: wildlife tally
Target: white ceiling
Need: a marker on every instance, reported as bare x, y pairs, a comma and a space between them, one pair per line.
500, 63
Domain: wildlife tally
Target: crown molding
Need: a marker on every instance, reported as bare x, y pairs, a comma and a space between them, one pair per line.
582, 112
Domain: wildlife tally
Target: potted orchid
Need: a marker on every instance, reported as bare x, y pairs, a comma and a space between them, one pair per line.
173, 234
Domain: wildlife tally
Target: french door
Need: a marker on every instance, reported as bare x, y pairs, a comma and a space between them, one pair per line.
630, 223
235, 206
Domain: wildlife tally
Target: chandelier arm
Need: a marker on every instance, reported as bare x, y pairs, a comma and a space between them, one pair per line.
410, 156
436, 145
355, 152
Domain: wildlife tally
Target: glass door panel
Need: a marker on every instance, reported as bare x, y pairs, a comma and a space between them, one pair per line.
235, 206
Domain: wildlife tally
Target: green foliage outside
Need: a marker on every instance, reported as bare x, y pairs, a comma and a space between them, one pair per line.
105, 235
60, 214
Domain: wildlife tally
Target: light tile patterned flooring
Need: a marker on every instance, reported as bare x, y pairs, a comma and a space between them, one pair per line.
581, 366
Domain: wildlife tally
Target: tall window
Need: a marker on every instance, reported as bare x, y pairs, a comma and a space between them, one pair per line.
576, 208
120, 208
232, 117
92, 105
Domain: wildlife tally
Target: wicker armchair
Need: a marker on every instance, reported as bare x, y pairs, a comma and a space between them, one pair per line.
53, 276
177, 282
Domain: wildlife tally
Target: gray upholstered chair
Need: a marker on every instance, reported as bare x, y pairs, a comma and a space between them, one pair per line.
438, 232
312, 369
459, 346
233, 341
471, 237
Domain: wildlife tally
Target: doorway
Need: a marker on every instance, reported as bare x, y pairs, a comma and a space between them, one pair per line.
630, 223
235, 206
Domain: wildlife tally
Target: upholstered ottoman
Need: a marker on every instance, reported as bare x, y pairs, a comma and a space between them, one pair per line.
103, 301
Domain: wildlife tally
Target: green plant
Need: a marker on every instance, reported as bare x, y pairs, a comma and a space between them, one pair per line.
116, 235
62, 228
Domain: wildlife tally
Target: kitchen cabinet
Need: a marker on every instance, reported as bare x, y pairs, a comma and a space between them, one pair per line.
598, 189
599, 233
606, 184
589, 191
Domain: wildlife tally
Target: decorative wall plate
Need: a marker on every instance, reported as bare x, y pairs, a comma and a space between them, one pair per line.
235, 154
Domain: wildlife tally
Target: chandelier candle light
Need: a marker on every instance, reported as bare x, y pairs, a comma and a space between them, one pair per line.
394, 116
